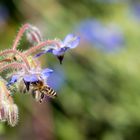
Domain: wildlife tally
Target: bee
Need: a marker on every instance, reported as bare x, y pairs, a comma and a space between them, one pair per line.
39, 90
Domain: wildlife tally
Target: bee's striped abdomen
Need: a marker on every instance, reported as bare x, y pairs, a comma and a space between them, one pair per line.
49, 91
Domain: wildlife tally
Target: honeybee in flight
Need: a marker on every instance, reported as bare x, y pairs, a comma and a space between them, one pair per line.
39, 90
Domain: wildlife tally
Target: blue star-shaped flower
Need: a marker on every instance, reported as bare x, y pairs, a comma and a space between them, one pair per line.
70, 41
31, 77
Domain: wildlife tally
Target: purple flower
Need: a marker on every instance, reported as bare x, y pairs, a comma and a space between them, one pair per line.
57, 79
31, 76
105, 37
134, 11
70, 42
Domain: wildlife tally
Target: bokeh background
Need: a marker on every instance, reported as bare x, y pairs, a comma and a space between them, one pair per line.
98, 83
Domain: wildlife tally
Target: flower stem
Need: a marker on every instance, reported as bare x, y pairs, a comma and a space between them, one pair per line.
14, 65
18, 53
39, 46
19, 35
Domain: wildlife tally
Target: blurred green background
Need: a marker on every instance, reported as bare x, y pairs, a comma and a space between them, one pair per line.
98, 84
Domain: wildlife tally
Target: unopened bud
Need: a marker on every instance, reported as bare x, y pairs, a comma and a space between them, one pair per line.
12, 115
33, 35
3, 110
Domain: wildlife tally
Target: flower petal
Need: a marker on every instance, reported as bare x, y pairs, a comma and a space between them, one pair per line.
13, 80
46, 72
71, 41
64, 49
30, 78
60, 51
43, 52
68, 38
49, 48
39, 54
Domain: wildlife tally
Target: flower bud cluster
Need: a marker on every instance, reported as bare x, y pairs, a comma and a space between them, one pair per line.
27, 75
8, 110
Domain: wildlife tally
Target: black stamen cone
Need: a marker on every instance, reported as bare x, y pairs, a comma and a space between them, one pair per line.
60, 57
27, 84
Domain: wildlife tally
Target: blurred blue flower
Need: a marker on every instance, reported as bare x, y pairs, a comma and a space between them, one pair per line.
70, 41
57, 79
134, 10
32, 76
107, 38
111, 1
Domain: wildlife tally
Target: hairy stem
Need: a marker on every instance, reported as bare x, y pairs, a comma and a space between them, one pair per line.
19, 35
14, 65
18, 53
42, 44
5, 60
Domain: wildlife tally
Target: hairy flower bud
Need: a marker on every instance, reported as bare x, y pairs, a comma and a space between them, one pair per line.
33, 35
8, 110
12, 117
3, 110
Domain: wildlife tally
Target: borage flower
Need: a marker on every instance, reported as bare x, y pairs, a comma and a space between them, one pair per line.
70, 42
29, 77
33, 75
57, 79
34, 82
108, 38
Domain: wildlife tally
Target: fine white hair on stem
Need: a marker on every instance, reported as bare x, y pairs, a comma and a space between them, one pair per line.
19, 35
13, 65
33, 31
23, 57
39, 46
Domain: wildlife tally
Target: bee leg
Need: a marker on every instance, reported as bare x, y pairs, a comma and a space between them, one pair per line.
33, 93
41, 97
